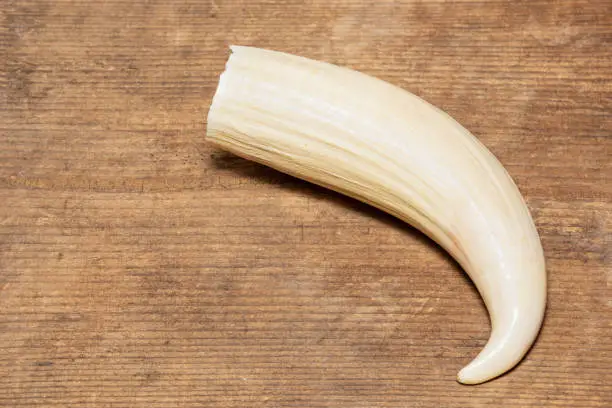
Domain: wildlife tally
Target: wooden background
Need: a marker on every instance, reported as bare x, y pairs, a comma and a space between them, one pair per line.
139, 267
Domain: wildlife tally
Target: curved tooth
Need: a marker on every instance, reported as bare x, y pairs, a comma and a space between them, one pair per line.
382, 145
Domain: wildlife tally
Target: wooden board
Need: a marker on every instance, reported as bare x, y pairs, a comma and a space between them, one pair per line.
139, 267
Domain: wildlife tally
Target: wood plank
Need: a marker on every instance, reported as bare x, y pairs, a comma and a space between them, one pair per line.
140, 267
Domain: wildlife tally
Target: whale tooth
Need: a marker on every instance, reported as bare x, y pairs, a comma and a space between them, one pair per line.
375, 142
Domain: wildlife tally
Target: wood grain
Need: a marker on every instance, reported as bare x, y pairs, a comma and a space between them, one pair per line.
139, 267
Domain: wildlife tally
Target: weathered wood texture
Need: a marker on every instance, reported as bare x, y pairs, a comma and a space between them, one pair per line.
139, 267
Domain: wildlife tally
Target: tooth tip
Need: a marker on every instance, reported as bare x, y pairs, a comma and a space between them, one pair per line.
468, 377
488, 365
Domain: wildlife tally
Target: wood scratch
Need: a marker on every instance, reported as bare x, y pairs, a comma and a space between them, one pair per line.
214, 6
422, 306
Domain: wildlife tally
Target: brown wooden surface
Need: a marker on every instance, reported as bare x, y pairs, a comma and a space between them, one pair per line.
139, 267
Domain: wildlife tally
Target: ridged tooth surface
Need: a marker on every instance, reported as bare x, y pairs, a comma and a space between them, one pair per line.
385, 146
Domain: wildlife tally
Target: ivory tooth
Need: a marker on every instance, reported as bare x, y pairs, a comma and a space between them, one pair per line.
385, 146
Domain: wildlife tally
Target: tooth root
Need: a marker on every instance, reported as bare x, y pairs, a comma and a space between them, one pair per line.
382, 145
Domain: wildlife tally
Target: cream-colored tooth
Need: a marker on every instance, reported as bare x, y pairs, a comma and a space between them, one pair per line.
382, 145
